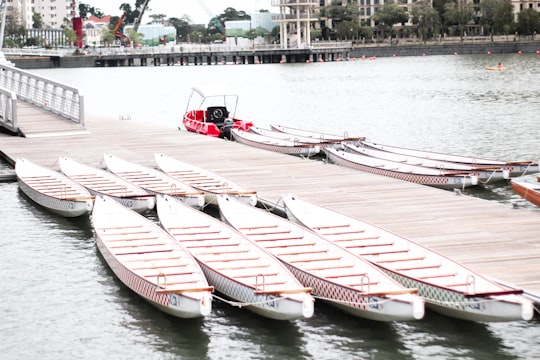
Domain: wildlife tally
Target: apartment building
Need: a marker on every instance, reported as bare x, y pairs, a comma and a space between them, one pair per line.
53, 12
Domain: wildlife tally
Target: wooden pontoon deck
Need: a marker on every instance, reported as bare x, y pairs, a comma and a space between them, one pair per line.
489, 237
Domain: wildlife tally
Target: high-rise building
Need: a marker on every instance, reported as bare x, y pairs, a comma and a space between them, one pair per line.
52, 12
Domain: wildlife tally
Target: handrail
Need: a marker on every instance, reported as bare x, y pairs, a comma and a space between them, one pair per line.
47, 94
8, 110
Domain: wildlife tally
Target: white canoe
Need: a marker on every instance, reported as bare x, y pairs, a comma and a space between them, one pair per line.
447, 286
273, 144
484, 173
319, 136
149, 261
53, 190
101, 182
416, 174
336, 276
154, 181
515, 168
297, 139
204, 180
235, 266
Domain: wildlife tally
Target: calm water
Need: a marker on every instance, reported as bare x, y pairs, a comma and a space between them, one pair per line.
59, 300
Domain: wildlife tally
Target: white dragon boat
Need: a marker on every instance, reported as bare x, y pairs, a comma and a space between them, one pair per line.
204, 180
416, 174
53, 190
447, 286
485, 174
236, 267
336, 276
101, 182
149, 261
515, 168
319, 136
154, 181
274, 144
297, 139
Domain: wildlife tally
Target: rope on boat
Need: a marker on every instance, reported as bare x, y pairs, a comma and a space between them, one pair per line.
241, 304
488, 179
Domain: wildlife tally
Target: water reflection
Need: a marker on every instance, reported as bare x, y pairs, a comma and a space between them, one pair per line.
441, 337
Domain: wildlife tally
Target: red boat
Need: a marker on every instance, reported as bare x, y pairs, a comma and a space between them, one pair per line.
214, 115
528, 189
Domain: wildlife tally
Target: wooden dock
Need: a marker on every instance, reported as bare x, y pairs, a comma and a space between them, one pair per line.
491, 238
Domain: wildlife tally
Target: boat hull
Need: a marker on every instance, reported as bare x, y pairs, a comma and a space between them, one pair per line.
53, 190
336, 276
527, 189
236, 267
149, 261
178, 305
65, 208
154, 182
270, 306
201, 179
275, 145
446, 286
439, 181
501, 308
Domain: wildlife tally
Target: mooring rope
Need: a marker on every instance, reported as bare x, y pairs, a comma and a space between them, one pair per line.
241, 304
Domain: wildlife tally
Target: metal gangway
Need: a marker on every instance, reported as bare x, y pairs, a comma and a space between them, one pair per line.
46, 94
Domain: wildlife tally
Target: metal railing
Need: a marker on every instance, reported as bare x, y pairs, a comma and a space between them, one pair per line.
49, 95
8, 110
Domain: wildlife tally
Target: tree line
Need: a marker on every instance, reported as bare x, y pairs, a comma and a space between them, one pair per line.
341, 20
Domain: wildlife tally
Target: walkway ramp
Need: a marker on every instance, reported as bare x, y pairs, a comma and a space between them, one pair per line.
34, 121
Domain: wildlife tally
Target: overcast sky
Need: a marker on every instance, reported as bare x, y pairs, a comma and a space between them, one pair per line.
200, 11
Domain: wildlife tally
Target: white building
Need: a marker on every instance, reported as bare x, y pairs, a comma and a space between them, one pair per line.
53, 12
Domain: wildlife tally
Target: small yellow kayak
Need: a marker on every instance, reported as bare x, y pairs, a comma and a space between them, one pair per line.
496, 68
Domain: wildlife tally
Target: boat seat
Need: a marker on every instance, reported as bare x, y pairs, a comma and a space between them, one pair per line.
136, 243
254, 275
344, 274
314, 259
437, 276
141, 249
168, 272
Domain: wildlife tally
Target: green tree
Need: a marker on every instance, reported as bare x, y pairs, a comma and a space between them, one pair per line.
459, 13
495, 14
425, 18
69, 35
14, 31
527, 23
196, 36
37, 21
388, 15
85, 9
183, 27
347, 29
107, 37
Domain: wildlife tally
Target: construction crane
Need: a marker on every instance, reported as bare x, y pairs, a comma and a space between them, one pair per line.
137, 21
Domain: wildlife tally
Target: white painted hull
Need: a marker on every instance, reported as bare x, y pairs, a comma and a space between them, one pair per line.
515, 168
275, 145
446, 286
53, 190
204, 180
423, 176
149, 261
235, 266
154, 181
483, 173
104, 183
336, 276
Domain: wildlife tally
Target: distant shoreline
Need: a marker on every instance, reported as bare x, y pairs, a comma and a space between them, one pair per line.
276, 55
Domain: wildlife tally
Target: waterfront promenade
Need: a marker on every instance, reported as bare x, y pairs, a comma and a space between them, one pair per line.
489, 237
